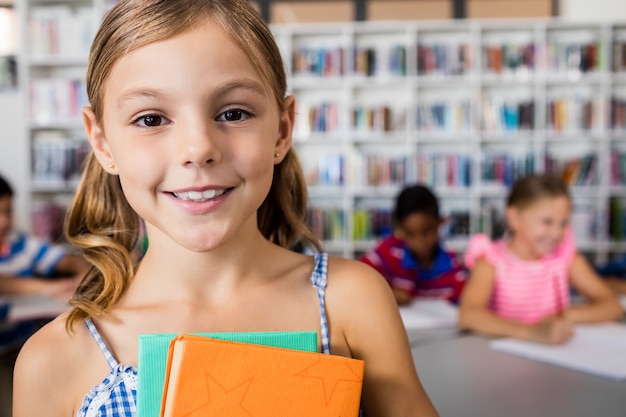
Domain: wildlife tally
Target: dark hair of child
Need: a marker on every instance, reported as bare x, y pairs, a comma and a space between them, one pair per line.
415, 199
5, 188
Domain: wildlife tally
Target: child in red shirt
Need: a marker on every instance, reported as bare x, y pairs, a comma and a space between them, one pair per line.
413, 259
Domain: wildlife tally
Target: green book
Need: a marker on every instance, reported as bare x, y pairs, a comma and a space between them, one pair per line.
152, 359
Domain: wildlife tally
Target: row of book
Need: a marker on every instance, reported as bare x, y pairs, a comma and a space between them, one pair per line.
436, 169
617, 218
57, 160
619, 56
617, 113
505, 169
47, 220
452, 59
580, 171
445, 116
444, 59
327, 224
373, 119
373, 223
507, 115
60, 30
567, 114
573, 114
364, 61
618, 167
455, 170
508, 58
581, 57
57, 100
8, 72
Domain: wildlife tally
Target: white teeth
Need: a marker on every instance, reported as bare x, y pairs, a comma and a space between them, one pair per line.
199, 196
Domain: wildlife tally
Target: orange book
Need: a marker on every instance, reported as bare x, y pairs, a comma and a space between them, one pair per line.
207, 377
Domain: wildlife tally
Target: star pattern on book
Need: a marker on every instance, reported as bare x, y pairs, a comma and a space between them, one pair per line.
221, 399
330, 380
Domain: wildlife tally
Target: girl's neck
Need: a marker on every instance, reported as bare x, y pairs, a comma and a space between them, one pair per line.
520, 250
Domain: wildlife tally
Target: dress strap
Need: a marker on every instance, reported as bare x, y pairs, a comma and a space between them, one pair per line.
319, 280
101, 344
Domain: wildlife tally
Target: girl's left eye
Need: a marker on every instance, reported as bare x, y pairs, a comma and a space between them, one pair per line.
233, 115
150, 120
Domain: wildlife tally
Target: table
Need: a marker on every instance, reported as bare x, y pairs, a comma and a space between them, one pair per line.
465, 378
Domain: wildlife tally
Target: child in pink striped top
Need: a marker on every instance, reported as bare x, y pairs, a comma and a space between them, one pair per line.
519, 286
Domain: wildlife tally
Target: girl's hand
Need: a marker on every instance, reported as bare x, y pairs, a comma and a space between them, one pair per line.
553, 330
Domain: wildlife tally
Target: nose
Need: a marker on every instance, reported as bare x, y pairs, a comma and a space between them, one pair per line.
198, 143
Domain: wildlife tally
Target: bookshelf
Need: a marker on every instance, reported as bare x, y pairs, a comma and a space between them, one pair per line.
56, 36
466, 107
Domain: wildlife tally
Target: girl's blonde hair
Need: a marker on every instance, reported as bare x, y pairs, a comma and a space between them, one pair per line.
100, 221
531, 188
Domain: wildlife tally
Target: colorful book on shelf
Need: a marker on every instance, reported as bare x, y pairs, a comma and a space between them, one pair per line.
207, 377
596, 349
153, 352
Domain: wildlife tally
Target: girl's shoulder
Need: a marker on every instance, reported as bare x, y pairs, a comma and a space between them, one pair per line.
481, 246
51, 355
343, 272
354, 287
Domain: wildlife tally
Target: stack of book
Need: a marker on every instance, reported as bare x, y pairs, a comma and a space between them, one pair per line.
259, 373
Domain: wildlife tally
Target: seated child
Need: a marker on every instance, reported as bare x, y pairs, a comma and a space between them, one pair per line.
413, 259
27, 263
519, 286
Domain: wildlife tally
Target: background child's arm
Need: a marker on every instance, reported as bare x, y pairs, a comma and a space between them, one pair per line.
362, 310
475, 315
601, 305
59, 288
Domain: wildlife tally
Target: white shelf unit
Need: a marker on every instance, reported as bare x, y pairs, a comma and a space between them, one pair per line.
496, 99
56, 36
448, 125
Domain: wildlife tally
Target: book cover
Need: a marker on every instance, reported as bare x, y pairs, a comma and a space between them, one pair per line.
153, 352
208, 376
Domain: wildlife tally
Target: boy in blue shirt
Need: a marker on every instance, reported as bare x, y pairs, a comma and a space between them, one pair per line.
27, 263
413, 260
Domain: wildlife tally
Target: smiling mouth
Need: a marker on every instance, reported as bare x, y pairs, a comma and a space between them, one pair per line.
199, 196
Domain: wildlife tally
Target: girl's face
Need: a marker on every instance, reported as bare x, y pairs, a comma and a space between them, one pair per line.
539, 228
192, 131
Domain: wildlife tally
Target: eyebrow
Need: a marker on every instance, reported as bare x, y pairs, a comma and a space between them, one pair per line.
138, 93
243, 85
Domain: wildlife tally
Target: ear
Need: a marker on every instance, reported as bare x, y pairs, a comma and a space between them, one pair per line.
285, 129
98, 142
512, 218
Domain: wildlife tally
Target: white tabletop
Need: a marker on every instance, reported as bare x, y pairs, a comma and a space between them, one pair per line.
465, 378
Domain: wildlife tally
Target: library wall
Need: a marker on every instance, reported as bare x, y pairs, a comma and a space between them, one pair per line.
408, 10
479, 9
592, 10
311, 11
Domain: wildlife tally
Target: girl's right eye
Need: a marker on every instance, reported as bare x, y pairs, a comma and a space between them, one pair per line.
150, 120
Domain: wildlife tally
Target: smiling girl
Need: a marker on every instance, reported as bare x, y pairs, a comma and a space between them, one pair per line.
519, 286
190, 128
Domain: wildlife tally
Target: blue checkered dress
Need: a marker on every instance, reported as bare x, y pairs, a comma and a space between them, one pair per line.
115, 395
